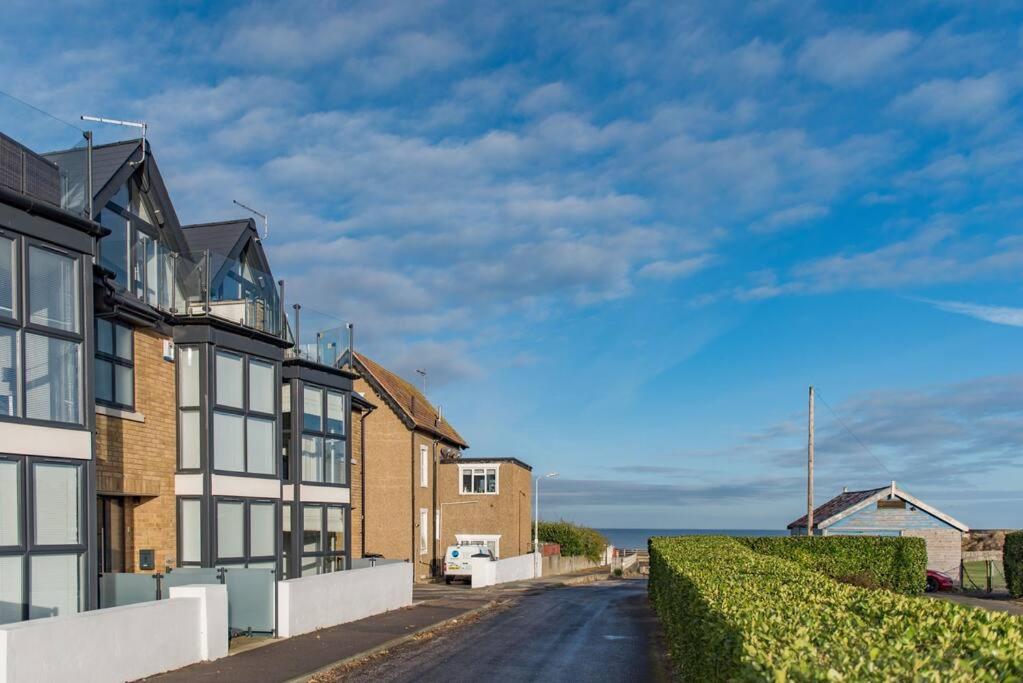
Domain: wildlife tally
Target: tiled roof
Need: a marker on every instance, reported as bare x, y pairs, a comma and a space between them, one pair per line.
409, 400
836, 505
107, 160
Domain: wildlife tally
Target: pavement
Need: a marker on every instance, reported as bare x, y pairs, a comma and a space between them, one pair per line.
995, 603
602, 631
298, 658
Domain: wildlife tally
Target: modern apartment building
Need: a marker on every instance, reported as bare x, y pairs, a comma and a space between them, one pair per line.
47, 461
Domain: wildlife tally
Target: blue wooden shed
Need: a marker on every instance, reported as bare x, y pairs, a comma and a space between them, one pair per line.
890, 511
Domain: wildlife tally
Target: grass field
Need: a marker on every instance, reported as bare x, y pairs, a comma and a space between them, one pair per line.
975, 575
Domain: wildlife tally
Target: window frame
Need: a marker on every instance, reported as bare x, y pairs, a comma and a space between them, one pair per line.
244, 412
27, 548
484, 467
196, 409
115, 361
424, 466
323, 434
247, 557
179, 541
322, 553
21, 324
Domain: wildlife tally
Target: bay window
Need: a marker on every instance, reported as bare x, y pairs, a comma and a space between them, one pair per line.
324, 448
323, 538
40, 334
42, 546
244, 421
246, 532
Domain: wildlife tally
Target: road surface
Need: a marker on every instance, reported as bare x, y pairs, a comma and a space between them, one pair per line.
603, 631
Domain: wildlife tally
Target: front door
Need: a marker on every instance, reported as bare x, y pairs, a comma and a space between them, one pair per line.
111, 533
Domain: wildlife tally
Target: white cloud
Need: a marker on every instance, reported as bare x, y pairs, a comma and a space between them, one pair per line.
782, 219
546, 98
846, 57
944, 101
674, 270
999, 315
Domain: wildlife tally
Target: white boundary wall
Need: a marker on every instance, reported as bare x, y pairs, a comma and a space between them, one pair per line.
488, 573
120, 643
314, 602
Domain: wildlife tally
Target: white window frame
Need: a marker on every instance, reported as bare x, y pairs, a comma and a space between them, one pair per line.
424, 465
472, 467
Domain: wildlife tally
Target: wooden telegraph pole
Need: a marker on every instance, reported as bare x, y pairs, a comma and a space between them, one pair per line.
809, 471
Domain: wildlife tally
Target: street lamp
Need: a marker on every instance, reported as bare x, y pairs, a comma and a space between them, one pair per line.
536, 511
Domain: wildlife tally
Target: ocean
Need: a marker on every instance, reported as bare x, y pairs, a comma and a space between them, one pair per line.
637, 538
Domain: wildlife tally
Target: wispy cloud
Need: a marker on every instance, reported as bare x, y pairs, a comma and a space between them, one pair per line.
1000, 315
850, 57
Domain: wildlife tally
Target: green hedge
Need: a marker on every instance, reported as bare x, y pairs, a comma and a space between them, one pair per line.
574, 539
895, 563
1012, 563
731, 614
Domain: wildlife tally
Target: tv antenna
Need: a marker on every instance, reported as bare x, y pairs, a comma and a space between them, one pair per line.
266, 219
129, 124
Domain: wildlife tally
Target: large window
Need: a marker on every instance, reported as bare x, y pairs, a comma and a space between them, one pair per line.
40, 332
323, 538
42, 545
189, 531
323, 443
478, 479
244, 421
246, 532
189, 417
115, 366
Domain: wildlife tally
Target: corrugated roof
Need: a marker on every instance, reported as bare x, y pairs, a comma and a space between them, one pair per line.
409, 399
836, 505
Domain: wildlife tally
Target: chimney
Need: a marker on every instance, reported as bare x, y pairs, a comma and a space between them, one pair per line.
845, 489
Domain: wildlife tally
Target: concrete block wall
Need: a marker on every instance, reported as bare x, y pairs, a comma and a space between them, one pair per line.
944, 548
136, 455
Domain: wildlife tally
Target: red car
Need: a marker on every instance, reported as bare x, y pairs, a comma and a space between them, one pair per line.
936, 581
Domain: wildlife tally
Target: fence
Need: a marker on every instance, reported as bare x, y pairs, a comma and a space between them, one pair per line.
982, 570
120, 643
314, 602
251, 596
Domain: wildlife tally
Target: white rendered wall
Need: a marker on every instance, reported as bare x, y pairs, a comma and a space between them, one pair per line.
314, 602
119, 643
485, 572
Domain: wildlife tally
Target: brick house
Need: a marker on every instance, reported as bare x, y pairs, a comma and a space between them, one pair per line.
486, 500
890, 511
405, 438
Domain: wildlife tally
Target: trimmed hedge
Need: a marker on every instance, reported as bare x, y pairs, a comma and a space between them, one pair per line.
731, 614
574, 539
895, 563
1012, 563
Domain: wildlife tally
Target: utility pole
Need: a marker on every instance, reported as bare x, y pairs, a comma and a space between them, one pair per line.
809, 471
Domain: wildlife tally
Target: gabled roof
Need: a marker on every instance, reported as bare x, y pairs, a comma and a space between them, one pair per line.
225, 240
107, 160
850, 502
408, 401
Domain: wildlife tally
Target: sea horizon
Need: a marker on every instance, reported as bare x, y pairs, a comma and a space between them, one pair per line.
629, 537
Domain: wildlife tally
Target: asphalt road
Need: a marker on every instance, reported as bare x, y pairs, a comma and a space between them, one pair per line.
603, 631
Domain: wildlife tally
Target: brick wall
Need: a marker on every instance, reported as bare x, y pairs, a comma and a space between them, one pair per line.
507, 513
138, 458
944, 548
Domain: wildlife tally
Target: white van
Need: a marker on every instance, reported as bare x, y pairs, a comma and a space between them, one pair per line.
458, 560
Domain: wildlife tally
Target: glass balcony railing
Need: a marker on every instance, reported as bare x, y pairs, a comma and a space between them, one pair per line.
43, 157
322, 338
210, 285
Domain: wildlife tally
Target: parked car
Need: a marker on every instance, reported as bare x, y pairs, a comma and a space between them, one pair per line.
936, 581
458, 561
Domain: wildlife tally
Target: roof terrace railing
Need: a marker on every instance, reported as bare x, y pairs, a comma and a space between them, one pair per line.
61, 178
322, 338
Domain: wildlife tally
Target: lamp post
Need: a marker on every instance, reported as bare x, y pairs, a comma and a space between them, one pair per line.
536, 511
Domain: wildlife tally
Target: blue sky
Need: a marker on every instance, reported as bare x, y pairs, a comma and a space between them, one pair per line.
622, 237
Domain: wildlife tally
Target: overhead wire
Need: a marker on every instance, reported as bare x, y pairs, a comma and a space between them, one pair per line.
869, 452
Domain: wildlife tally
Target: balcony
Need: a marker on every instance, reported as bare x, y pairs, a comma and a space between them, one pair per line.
60, 179
321, 337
